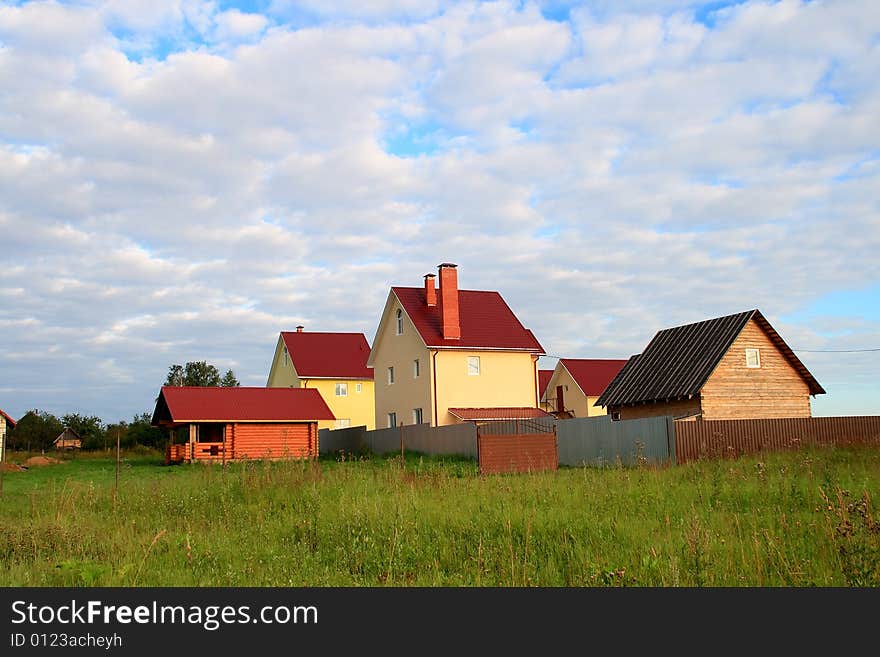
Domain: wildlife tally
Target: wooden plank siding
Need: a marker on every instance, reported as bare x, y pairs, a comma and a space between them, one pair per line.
678, 408
773, 390
273, 441
731, 438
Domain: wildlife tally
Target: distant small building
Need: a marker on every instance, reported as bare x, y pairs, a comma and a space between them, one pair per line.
6, 422
544, 377
727, 368
576, 384
68, 439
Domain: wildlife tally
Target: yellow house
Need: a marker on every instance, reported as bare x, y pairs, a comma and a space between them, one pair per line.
333, 363
576, 383
443, 356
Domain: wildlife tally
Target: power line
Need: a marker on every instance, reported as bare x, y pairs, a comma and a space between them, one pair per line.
836, 351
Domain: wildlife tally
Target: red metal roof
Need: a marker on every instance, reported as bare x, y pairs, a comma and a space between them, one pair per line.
593, 374
487, 322
544, 377
9, 420
500, 413
237, 404
328, 355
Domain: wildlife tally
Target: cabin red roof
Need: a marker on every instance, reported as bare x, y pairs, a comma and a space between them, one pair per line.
236, 404
9, 420
499, 413
593, 374
328, 355
544, 377
487, 322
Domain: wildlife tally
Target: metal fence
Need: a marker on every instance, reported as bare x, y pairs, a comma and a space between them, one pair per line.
729, 438
598, 441
456, 439
522, 426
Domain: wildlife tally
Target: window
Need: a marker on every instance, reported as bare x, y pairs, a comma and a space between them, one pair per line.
286, 357
416, 368
417, 416
390, 375
753, 358
358, 387
342, 390
399, 322
473, 366
343, 423
392, 420
615, 415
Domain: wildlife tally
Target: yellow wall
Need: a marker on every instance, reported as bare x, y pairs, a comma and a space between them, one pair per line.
573, 396
359, 407
399, 351
506, 379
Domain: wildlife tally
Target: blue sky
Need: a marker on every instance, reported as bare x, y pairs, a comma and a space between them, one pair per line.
182, 180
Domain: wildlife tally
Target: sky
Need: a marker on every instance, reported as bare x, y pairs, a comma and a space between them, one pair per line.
182, 180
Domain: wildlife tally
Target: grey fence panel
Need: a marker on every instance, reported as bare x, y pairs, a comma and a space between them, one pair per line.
350, 439
383, 441
454, 439
599, 441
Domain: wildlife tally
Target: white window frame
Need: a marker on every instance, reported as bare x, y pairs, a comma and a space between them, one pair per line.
417, 368
471, 361
342, 390
343, 423
391, 375
399, 327
358, 387
392, 420
286, 358
417, 416
757, 361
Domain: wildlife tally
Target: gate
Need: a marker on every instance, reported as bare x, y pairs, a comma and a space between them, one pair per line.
527, 445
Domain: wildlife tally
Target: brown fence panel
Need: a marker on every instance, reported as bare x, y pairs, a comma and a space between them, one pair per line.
729, 438
517, 453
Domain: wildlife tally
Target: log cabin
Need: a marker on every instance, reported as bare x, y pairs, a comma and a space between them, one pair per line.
727, 368
236, 423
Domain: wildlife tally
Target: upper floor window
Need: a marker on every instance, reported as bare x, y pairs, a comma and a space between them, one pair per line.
473, 366
342, 390
399, 322
390, 375
392, 420
753, 358
286, 357
358, 387
416, 368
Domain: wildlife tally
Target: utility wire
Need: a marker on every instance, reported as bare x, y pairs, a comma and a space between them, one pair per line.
836, 351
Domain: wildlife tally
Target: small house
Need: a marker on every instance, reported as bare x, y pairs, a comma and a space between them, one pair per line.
727, 368
576, 383
6, 423
68, 439
227, 424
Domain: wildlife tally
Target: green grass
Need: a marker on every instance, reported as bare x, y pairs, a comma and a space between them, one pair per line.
790, 519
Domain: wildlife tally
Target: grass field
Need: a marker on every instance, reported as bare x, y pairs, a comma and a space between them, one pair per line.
793, 519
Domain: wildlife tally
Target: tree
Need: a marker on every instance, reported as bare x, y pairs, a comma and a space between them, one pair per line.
198, 373
37, 430
89, 428
229, 380
140, 432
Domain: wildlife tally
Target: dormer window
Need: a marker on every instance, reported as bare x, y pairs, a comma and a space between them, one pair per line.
753, 358
399, 322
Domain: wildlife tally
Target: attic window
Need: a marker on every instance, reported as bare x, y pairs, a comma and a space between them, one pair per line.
286, 357
753, 358
473, 366
399, 322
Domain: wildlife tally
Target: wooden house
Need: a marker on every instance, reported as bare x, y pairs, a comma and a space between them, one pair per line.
445, 356
576, 383
733, 367
227, 424
6, 423
68, 439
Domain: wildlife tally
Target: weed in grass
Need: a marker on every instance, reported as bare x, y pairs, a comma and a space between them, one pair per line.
855, 531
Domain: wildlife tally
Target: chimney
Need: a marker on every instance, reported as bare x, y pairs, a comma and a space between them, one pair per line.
430, 290
299, 329
450, 323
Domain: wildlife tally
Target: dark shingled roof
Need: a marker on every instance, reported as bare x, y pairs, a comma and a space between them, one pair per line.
678, 361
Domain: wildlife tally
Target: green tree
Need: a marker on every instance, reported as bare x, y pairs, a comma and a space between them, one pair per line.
229, 380
140, 432
37, 430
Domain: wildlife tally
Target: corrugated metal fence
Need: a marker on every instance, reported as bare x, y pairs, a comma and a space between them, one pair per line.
452, 440
598, 441
728, 438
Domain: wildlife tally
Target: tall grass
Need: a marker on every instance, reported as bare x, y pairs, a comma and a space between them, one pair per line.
794, 519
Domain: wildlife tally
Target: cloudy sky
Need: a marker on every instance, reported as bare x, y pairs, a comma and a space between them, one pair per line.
183, 179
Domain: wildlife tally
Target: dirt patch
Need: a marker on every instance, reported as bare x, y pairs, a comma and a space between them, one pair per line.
41, 460
11, 467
